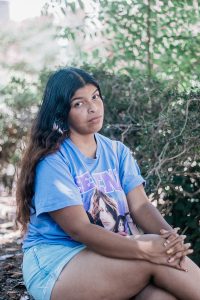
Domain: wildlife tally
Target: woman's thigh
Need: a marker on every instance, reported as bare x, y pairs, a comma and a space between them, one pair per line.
90, 275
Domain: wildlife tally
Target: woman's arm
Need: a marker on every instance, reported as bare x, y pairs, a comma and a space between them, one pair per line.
144, 213
74, 221
151, 221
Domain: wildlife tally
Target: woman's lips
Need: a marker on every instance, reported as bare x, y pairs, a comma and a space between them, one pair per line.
95, 119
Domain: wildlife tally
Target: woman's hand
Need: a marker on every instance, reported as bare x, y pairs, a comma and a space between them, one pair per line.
156, 250
180, 251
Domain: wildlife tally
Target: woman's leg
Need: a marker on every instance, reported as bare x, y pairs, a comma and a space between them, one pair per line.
90, 275
151, 292
183, 285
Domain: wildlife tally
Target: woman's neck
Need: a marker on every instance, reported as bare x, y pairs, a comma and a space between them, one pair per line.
86, 143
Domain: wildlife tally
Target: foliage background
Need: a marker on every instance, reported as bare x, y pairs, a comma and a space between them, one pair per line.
145, 55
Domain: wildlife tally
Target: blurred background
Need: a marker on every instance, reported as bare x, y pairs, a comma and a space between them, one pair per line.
146, 56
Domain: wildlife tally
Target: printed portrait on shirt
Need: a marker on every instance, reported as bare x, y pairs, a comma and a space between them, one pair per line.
104, 211
120, 225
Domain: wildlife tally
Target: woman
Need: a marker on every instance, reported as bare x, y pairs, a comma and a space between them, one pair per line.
66, 256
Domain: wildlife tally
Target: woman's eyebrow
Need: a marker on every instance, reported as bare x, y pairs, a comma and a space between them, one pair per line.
78, 98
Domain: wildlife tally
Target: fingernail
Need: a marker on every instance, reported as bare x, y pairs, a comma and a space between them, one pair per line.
177, 228
166, 243
169, 251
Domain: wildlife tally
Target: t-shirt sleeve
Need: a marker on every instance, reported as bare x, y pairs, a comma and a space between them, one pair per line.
54, 186
129, 171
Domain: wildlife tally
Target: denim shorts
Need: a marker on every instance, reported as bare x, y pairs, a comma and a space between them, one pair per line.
42, 265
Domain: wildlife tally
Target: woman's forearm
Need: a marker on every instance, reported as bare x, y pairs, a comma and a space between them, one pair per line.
74, 221
150, 219
144, 213
149, 247
109, 243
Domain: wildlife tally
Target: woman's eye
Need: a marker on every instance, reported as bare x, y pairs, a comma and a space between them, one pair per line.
78, 104
96, 96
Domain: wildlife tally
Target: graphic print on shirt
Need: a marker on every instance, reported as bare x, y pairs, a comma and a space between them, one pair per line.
107, 181
110, 212
104, 211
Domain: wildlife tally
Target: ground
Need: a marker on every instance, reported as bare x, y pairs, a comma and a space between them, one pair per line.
11, 280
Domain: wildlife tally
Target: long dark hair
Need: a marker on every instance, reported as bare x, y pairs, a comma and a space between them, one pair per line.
48, 131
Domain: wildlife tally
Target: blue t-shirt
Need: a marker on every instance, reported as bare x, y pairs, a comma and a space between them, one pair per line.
67, 177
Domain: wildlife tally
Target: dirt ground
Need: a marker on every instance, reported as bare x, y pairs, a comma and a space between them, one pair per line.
11, 280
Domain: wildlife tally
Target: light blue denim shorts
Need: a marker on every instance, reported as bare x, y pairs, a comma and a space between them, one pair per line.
42, 264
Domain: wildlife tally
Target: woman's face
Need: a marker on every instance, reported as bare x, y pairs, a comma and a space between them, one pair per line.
105, 216
87, 111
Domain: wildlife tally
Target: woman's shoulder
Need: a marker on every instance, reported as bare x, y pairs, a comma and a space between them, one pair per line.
116, 145
58, 157
110, 141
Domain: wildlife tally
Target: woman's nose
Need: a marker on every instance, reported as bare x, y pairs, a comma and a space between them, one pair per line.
92, 107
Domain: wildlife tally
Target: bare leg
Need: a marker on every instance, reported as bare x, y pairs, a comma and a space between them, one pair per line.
151, 292
90, 275
183, 285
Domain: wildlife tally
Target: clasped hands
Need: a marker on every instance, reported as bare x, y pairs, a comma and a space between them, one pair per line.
178, 250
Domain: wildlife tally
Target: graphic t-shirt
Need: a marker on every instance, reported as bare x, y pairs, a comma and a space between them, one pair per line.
67, 177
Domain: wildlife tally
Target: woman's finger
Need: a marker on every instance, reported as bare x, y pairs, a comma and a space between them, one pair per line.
176, 264
178, 248
180, 255
171, 231
169, 238
174, 234
169, 235
172, 237
179, 239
